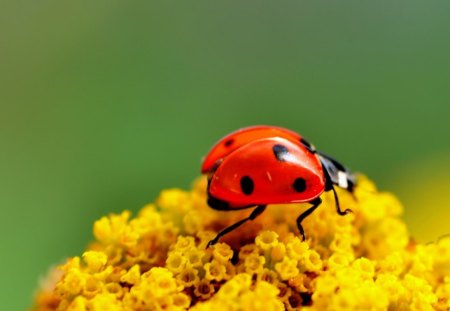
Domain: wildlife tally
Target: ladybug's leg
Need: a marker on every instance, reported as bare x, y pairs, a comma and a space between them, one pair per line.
331, 174
338, 206
315, 203
255, 213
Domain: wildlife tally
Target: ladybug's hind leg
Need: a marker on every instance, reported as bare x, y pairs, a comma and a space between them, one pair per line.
316, 202
255, 213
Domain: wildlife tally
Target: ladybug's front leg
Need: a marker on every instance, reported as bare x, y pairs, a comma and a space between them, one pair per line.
332, 177
338, 205
316, 202
255, 213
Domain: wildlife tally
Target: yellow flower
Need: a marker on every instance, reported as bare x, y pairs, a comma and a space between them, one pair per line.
215, 271
312, 261
296, 249
266, 240
188, 277
158, 260
222, 252
365, 268
194, 257
95, 260
278, 252
287, 269
104, 301
110, 229
132, 276
73, 283
162, 280
254, 263
337, 261
176, 262
181, 301
184, 243
239, 294
204, 289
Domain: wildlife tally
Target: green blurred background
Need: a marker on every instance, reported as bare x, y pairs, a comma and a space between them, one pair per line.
105, 103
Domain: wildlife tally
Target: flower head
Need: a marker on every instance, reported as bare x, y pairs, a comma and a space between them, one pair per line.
159, 259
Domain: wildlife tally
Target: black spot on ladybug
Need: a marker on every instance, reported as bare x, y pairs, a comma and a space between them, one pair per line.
280, 152
229, 142
299, 185
247, 185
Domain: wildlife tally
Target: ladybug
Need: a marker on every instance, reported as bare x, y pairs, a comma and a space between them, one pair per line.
260, 165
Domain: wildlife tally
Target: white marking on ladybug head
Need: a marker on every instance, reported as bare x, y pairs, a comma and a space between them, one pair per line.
342, 180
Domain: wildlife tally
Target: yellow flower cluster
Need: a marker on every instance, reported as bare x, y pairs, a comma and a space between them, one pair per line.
159, 260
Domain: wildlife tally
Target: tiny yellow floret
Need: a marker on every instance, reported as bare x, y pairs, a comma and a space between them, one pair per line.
95, 260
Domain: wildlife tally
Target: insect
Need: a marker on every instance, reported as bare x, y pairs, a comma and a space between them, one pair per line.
260, 165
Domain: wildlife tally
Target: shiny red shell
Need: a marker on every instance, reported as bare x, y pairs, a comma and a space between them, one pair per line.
241, 137
270, 170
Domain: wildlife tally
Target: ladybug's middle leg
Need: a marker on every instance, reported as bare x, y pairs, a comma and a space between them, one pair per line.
255, 213
315, 203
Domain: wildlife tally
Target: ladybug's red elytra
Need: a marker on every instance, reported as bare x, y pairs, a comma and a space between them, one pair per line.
261, 165
241, 137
